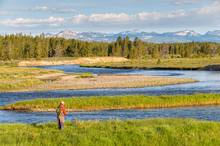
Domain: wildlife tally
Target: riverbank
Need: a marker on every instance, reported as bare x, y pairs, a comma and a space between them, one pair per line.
81, 81
164, 64
212, 63
17, 79
115, 102
65, 61
152, 132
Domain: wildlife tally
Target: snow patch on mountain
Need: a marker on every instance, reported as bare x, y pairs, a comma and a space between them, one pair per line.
186, 33
67, 34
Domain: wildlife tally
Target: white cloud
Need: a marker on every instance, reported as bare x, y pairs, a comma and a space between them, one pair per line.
110, 17
146, 16
214, 8
125, 18
79, 19
99, 18
207, 15
204, 16
156, 16
33, 22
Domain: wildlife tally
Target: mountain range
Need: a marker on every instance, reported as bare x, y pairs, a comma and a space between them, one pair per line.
168, 37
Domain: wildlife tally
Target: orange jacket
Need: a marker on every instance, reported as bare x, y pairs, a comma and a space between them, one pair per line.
63, 110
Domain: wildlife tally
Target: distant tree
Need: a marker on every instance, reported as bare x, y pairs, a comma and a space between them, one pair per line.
26, 46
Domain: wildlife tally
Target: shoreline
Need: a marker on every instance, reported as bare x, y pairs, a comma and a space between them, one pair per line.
70, 61
113, 109
205, 63
144, 68
61, 81
103, 103
124, 63
204, 68
48, 90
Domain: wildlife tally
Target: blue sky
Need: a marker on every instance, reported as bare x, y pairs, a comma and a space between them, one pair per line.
36, 16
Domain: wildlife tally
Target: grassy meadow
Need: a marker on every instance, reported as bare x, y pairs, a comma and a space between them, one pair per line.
17, 78
151, 132
116, 102
145, 132
172, 63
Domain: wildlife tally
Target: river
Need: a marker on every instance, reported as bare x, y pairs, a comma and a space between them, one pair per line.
209, 82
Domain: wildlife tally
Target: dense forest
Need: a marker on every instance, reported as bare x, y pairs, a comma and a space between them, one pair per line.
25, 46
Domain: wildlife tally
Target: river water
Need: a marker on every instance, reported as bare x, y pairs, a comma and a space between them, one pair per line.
209, 82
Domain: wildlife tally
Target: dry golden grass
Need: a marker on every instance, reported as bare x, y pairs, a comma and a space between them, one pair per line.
173, 63
14, 78
82, 60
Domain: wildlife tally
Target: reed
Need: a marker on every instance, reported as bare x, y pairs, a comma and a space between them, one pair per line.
116, 102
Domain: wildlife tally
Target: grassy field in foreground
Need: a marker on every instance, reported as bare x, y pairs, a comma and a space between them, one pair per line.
153, 132
176, 63
117, 102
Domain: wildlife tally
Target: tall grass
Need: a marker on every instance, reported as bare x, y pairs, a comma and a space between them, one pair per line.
153, 132
175, 63
117, 102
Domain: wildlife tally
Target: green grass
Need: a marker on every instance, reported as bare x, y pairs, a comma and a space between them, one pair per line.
85, 75
17, 78
176, 63
117, 102
153, 132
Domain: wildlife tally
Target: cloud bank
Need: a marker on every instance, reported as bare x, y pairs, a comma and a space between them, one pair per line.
33, 22
196, 17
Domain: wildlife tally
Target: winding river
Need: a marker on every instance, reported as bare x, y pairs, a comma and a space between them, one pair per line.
209, 82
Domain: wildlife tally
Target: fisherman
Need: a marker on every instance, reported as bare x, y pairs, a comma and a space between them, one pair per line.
61, 113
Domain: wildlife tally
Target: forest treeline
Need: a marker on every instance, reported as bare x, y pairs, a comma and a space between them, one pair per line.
25, 46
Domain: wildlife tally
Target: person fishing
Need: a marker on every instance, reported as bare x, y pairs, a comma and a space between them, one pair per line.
61, 113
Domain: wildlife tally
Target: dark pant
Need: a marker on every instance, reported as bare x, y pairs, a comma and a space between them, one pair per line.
60, 124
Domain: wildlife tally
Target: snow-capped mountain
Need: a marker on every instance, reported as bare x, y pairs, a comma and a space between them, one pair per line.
67, 34
213, 33
179, 36
186, 33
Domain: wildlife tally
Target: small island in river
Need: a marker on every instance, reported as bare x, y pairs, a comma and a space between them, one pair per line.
15, 79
